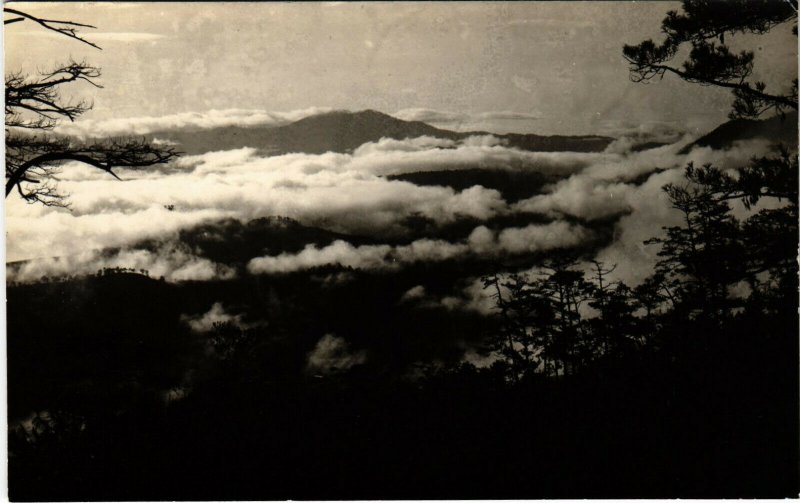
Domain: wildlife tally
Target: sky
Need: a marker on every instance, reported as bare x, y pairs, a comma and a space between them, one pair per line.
547, 68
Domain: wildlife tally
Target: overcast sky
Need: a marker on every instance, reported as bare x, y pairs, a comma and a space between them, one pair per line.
557, 65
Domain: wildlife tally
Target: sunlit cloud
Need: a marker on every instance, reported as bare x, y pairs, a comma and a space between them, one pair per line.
350, 194
174, 264
481, 242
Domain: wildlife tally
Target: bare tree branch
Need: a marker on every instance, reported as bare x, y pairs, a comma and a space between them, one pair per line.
26, 155
66, 28
40, 96
35, 103
741, 87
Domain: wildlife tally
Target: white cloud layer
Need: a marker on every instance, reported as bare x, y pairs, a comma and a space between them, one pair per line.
171, 263
89, 128
649, 208
340, 192
347, 193
482, 241
455, 118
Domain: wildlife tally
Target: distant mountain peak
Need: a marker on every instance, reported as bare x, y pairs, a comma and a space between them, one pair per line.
344, 131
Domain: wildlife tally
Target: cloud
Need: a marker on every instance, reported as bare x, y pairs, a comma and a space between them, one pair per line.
172, 263
472, 297
582, 197
350, 194
487, 152
187, 121
650, 210
453, 118
418, 144
534, 238
416, 292
332, 354
486, 140
168, 143
362, 257
429, 115
606, 188
38, 232
509, 116
481, 242
107, 213
205, 322
339, 253
648, 131
480, 360
340, 192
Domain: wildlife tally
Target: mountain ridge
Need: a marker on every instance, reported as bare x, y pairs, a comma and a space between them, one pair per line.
780, 129
343, 131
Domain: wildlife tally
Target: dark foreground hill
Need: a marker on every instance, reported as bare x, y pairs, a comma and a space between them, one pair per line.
94, 355
778, 129
344, 131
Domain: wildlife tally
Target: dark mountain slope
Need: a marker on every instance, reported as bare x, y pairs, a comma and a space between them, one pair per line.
513, 185
343, 132
232, 242
777, 129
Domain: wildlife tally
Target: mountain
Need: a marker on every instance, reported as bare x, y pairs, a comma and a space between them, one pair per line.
777, 129
343, 132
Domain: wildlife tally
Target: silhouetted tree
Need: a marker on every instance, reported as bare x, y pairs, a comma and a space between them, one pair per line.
769, 236
566, 289
33, 107
704, 256
615, 329
713, 251
540, 322
703, 25
525, 318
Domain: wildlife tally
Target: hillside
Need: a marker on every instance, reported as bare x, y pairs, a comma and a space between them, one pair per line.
777, 129
343, 131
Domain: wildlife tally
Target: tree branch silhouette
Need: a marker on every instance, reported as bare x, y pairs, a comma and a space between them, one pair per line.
712, 64
66, 28
35, 104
